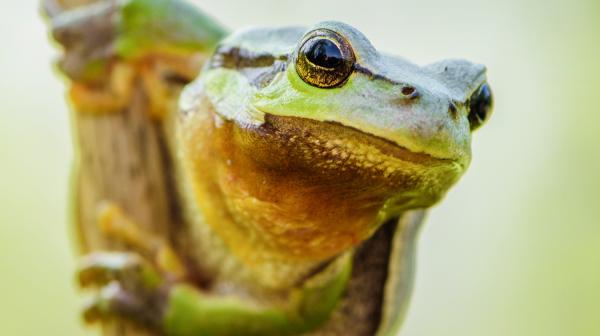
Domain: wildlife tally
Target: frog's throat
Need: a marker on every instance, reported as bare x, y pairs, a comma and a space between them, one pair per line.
296, 189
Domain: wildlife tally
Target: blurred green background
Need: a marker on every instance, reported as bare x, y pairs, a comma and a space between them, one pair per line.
513, 250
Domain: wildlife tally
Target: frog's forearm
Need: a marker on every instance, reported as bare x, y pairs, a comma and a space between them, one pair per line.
191, 312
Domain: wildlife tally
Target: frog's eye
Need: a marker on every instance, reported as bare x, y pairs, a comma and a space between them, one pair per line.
325, 59
480, 106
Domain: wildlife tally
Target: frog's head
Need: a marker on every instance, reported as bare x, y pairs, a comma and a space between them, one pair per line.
335, 75
331, 136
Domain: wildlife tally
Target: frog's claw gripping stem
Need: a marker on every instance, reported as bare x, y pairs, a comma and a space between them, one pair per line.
87, 35
101, 268
129, 287
96, 34
114, 223
133, 285
114, 301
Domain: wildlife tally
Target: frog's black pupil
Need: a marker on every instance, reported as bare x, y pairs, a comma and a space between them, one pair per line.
325, 53
480, 105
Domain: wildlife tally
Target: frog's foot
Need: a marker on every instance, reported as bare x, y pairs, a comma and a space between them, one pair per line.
102, 82
87, 34
162, 78
130, 288
107, 50
132, 284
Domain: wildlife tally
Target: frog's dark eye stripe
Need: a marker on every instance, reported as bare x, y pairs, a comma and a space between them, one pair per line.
408, 91
259, 68
237, 58
325, 59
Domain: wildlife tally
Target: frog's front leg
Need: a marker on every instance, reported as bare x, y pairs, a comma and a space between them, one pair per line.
150, 286
132, 284
115, 224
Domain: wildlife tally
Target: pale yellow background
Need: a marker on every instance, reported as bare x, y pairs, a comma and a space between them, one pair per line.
513, 250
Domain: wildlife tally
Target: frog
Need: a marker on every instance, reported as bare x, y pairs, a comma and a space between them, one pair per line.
293, 148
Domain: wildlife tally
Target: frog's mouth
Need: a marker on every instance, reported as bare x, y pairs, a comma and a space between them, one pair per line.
388, 147
334, 153
337, 139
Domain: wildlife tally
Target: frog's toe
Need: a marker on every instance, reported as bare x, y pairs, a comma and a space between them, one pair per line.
129, 269
129, 288
115, 224
116, 302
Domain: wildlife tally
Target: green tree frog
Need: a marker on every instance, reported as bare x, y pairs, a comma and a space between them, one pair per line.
294, 149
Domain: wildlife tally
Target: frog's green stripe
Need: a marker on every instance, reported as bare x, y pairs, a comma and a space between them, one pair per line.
258, 68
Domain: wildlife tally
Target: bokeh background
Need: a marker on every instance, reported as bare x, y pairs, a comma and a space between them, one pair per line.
513, 250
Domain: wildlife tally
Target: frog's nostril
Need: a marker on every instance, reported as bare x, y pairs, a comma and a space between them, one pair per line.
409, 92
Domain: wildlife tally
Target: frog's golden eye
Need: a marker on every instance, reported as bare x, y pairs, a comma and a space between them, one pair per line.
480, 106
325, 59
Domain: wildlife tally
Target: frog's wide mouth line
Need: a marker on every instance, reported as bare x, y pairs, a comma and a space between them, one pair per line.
332, 136
393, 148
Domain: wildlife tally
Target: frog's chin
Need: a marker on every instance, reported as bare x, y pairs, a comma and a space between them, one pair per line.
303, 189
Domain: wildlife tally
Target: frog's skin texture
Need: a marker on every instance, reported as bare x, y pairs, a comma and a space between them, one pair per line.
287, 159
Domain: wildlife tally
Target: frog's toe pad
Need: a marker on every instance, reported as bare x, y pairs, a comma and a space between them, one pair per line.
126, 287
130, 269
114, 301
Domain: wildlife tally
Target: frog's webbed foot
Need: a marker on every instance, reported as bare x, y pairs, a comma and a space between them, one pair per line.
87, 35
110, 45
132, 284
157, 250
129, 288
